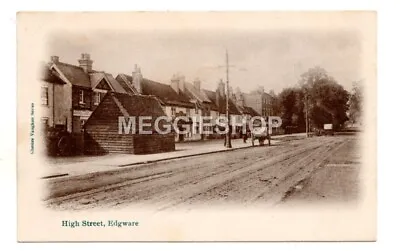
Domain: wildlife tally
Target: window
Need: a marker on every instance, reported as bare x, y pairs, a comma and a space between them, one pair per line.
83, 121
45, 122
97, 98
45, 95
81, 97
173, 111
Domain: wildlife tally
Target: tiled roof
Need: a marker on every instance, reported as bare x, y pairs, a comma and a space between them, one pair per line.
126, 80
197, 94
126, 83
140, 105
127, 77
247, 110
163, 92
48, 75
75, 74
115, 84
95, 78
212, 97
222, 103
132, 106
250, 111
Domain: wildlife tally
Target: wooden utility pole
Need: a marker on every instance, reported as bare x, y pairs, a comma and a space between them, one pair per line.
306, 114
228, 142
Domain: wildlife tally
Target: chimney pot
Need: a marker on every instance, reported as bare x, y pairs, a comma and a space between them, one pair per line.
197, 84
177, 82
85, 63
137, 78
85, 56
182, 84
54, 59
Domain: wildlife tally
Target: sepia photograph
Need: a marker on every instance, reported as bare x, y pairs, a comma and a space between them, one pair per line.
196, 121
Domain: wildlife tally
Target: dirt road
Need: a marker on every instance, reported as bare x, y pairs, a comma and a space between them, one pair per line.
314, 169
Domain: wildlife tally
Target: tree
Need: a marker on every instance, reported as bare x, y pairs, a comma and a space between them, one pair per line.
275, 108
290, 108
326, 102
355, 102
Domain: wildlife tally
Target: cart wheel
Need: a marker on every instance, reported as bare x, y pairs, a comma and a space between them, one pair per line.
64, 145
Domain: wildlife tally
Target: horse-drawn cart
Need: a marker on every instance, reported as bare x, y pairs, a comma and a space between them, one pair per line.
261, 134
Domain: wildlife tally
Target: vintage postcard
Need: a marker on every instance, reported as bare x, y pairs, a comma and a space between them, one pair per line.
196, 126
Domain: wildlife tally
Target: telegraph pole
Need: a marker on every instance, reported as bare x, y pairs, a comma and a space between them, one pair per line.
228, 143
306, 114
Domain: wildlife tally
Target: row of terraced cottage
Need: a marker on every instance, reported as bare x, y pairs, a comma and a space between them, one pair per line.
87, 103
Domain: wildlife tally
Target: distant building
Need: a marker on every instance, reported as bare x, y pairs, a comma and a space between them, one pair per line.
258, 100
218, 100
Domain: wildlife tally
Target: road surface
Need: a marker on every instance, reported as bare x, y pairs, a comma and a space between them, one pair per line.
316, 169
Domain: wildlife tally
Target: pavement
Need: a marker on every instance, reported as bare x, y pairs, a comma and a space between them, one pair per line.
79, 165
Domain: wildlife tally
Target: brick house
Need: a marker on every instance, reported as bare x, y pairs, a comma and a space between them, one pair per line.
258, 100
70, 93
53, 89
173, 101
246, 111
104, 134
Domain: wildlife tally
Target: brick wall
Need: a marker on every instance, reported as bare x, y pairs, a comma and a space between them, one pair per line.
108, 142
153, 143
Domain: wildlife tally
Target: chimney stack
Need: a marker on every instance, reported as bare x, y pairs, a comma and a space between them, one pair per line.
54, 59
239, 97
137, 78
197, 84
85, 63
240, 101
175, 83
220, 93
182, 84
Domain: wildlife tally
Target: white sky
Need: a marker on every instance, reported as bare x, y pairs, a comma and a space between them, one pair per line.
273, 59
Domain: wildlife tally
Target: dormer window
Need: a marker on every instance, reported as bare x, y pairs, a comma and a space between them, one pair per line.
81, 97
